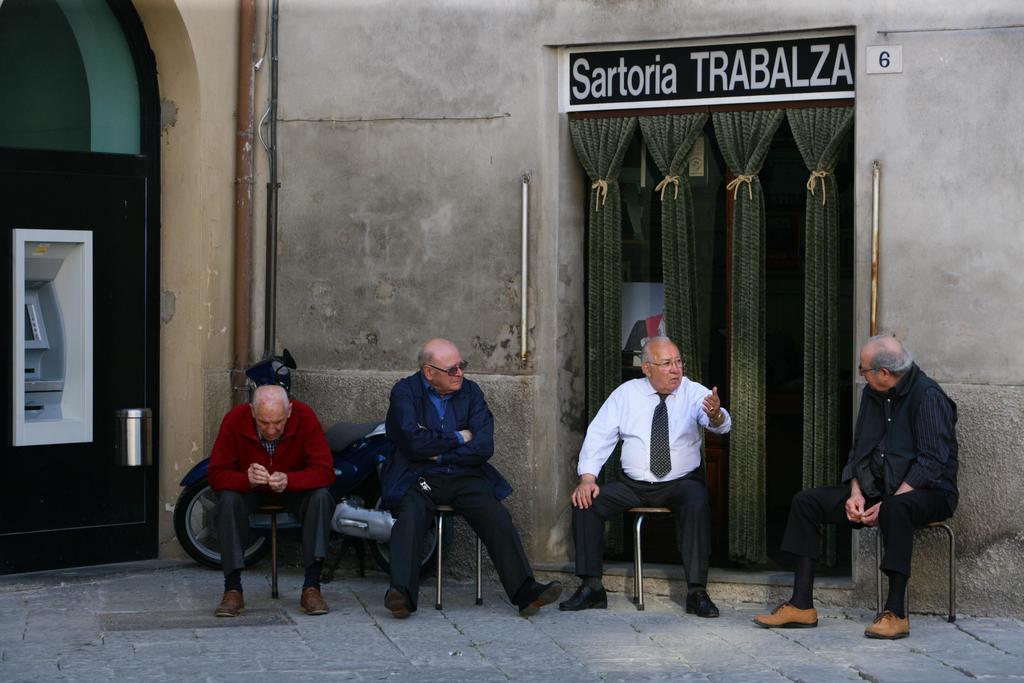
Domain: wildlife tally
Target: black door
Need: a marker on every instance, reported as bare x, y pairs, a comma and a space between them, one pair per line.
74, 504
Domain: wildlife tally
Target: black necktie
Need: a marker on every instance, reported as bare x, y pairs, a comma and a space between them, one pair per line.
661, 458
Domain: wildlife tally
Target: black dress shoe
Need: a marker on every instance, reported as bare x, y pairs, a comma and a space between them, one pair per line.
699, 603
536, 595
585, 598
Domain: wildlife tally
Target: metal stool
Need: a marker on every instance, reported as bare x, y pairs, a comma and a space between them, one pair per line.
272, 510
442, 512
951, 617
638, 567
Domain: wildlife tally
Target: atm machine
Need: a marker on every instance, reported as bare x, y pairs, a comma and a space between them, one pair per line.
44, 341
53, 337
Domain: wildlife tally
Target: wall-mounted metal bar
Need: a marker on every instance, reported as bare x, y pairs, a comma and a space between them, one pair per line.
876, 173
1002, 27
523, 352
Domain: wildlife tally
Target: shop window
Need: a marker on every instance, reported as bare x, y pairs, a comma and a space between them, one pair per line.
67, 78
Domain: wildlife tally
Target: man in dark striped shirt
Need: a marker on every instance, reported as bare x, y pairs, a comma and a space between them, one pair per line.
900, 476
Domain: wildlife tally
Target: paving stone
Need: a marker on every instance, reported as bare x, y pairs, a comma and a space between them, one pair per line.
748, 677
189, 619
156, 624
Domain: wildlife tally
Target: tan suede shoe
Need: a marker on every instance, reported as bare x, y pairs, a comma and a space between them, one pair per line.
787, 616
312, 602
231, 605
888, 626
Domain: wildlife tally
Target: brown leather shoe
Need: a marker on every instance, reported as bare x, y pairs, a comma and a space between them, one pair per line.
888, 626
397, 603
231, 605
312, 602
537, 595
787, 616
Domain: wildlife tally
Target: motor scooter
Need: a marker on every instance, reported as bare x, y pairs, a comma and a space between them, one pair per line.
357, 449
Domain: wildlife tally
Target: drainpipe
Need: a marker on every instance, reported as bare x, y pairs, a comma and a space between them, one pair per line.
244, 170
270, 310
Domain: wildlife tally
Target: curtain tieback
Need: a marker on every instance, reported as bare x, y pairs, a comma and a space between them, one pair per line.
602, 192
663, 185
734, 185
813, 180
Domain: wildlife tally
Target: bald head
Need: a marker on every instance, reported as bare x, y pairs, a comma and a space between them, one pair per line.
432, 348
883, 361
271, 410
442, 366
270, 394
885, 352
660, 343
662, 364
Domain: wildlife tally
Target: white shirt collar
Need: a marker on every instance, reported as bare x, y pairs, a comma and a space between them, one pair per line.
649, 389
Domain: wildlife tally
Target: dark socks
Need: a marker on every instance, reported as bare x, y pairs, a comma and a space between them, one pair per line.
313, 575
897, 591
592, 582
692, 588
803, 583
233, 581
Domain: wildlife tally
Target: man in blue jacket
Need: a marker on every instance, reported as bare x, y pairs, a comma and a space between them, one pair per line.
443, 433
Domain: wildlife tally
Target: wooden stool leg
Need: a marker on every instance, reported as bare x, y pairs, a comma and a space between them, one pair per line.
479, 571
273, 555
638, 566
439, 592
951, 615
878, 570
360, 556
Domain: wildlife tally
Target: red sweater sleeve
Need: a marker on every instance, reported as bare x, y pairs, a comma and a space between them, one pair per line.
317, 466
227, 462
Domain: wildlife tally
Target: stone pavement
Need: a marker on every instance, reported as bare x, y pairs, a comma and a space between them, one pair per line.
153, 621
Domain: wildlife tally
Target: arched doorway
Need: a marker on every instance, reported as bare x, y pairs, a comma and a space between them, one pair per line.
80, 227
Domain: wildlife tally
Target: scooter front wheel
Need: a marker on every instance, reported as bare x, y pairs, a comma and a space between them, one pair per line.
195, 525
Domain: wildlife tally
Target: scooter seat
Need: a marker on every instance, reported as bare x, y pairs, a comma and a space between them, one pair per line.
343, 434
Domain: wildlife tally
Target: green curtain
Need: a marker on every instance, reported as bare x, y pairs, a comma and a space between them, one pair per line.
670, 139
600, 145
821, 135
744, 138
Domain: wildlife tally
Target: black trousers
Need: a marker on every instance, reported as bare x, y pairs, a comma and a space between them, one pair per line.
314, 508
472, 496
690, 504
898, 517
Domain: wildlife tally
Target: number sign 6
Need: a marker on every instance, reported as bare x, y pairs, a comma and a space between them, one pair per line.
884, 59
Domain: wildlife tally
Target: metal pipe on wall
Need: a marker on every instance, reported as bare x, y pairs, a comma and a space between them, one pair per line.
270, 309
876, 173
523, 351
244, 171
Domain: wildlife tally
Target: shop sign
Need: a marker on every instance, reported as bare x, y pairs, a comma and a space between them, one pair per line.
693, 73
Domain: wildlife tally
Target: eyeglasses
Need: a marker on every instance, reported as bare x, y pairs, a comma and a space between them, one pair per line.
453, 371
672, 363
864, 371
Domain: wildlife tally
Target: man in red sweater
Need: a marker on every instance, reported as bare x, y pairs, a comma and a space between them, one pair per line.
272, 451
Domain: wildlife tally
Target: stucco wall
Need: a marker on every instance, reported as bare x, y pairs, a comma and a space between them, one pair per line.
405, 128
194, 45
987, 523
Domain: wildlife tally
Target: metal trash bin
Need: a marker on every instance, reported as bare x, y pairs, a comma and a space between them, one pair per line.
134, 437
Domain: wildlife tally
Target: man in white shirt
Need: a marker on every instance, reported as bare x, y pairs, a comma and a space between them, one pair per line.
659, 420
